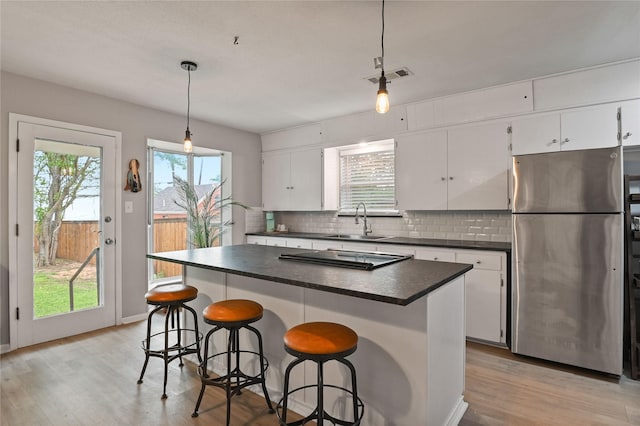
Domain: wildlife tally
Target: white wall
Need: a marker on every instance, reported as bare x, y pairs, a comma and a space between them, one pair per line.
37, 98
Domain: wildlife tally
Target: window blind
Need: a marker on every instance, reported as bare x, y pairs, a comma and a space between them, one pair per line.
367, 177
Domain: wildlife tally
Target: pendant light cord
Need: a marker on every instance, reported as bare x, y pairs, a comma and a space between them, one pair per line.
188, 97
382, 38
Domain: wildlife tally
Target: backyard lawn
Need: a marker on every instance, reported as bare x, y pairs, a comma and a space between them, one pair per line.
51, 288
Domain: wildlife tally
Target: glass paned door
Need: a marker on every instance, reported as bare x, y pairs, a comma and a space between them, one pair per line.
66, 206
175, 178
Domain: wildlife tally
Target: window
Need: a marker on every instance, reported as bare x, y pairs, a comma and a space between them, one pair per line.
367, 175
169, 225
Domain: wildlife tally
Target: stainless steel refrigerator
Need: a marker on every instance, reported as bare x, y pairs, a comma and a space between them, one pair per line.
567, 288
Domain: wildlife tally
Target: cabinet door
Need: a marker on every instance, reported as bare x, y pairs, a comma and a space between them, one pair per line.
421, 171
299, 243
589, 128
276, 178
276, 242
306, 180
630, 123
326, 245
483, 304
532, 135
478, 168
254, 239
441, 255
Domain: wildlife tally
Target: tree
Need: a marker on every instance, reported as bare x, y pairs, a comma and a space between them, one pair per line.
204, 214
57, 180
175, 161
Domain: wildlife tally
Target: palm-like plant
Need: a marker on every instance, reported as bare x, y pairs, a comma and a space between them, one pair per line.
204, 213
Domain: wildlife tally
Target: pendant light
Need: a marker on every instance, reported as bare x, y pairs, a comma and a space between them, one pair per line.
188, 66
382, 101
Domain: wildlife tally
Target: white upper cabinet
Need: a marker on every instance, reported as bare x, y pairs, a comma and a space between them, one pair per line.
482, 104
584, 128
365, 126
589, 128
421, 171
588, 87
630, 123
276, 180
292, 138
463, 169
478, 165
535, 134
292, 180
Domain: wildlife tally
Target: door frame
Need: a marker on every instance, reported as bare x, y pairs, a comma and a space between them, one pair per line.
14, 119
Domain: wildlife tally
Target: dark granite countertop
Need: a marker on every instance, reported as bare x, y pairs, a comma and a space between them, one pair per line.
427, 242
400, 283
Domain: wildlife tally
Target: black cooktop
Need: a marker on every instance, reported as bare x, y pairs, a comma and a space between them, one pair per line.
346, 258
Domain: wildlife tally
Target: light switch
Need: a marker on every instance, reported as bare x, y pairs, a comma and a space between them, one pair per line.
128, 206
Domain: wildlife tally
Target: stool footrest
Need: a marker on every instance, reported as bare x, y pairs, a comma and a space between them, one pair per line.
157, 344
314, 414
237, 378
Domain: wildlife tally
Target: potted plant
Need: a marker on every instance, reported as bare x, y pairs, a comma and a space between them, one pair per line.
204, 212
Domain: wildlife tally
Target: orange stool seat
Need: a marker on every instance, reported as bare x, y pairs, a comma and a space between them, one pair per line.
321, 338
171, 293
321, 342
174, 340
231, 311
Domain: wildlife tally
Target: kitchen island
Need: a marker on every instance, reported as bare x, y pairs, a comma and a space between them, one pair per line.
409, 317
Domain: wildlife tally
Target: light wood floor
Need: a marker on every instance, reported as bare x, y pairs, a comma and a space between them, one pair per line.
91, 380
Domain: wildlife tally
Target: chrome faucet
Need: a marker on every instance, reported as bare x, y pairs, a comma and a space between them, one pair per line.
365, 230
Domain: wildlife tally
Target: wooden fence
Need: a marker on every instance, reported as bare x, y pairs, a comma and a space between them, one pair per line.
168, 235
76, 240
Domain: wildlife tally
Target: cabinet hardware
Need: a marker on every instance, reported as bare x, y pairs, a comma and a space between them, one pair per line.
565, 140
501, 282
501, 333
509, 130
627, 135
435, 258
478, 262
17, 313
450, 177
17, 145
17, 230
443, 178
554, 140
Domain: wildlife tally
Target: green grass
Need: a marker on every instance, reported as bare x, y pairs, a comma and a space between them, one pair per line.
51, 294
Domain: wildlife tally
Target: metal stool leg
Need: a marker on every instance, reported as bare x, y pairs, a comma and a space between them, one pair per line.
195, 328
285, 394
262, 369
148, 343
203, 370
354, 387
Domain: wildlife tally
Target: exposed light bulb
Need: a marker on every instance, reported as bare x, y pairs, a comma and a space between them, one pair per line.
382, 101
187, 146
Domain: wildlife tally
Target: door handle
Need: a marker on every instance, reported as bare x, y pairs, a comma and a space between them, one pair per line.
109, 241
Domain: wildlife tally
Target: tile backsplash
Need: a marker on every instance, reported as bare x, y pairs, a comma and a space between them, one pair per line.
480, 226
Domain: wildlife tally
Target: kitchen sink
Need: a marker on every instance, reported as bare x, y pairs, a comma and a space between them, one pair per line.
357, 237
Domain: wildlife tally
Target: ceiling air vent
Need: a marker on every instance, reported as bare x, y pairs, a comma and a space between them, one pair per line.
391, 75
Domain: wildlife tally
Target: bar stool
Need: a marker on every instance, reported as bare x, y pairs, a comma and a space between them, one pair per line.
320, 342
232, 315
169, 343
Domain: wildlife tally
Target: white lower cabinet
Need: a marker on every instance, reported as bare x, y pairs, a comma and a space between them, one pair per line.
486, 292
255, 239
486, 295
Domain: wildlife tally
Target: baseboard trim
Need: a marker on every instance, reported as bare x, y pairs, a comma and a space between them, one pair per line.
134, 318
457, 412
5, 348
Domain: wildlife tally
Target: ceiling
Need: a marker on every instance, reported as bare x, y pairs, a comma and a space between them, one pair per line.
298, 62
